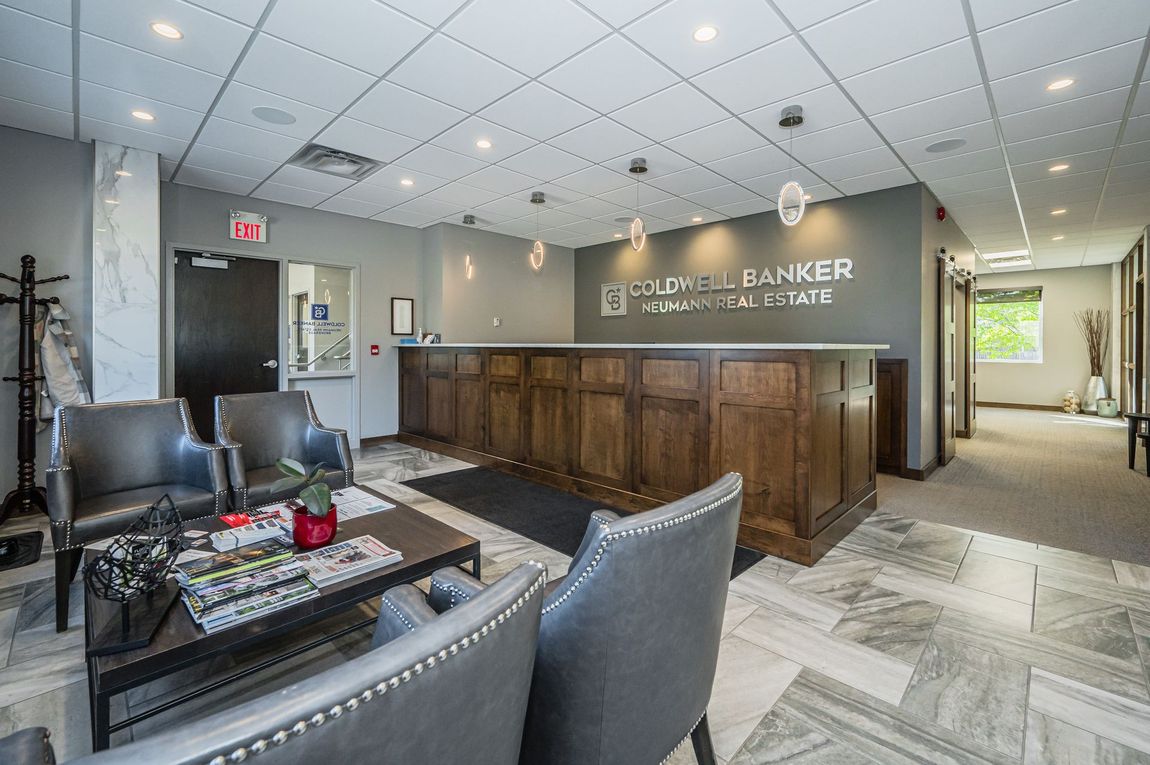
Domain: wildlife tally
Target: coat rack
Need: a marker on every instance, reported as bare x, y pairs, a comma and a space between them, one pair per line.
27, 494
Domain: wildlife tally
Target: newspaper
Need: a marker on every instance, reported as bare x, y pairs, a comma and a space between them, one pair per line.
354, 502
356, 556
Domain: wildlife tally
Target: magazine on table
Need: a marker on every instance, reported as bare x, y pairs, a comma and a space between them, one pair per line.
353, 502
356, 556
234, 562
240, 536
256, 605
212, 595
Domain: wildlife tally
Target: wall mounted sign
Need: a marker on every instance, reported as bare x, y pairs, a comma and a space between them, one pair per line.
809, 283
249, 227
319, 311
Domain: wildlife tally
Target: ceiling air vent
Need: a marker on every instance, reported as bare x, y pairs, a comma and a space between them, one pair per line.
342, 164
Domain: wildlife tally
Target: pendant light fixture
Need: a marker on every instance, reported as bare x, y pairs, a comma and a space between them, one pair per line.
792, 200
638, 228
538, 251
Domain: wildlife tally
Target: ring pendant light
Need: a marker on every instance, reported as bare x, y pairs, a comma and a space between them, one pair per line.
638, 228
792, 199
538, 251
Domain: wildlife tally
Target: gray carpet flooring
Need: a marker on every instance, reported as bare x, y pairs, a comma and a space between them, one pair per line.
1059, 480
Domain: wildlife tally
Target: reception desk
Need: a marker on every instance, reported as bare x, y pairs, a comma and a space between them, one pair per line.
635, 426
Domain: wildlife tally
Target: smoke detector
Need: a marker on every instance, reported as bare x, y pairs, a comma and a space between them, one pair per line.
342, 164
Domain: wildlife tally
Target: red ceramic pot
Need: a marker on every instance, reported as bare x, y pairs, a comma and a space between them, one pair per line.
310, 531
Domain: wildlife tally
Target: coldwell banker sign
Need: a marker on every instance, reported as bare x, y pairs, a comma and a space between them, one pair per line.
796, 285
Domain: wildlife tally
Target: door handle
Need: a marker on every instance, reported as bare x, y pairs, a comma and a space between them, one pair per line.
271, 364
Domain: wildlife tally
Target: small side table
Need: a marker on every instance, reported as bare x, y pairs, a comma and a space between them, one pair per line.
1134, 422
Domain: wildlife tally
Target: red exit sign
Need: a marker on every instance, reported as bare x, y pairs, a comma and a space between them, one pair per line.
250, 227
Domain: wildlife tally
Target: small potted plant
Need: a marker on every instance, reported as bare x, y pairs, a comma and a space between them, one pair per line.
313, 525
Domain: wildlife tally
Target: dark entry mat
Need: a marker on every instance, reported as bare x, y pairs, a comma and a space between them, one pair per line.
543, 514
20, 550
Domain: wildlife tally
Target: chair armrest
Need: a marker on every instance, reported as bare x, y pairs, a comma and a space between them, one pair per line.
598, 519
233, 459
331, 447
202, 465
401, 610
451, 586
27, 747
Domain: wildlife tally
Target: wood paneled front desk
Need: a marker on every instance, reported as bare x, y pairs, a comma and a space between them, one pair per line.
637, 425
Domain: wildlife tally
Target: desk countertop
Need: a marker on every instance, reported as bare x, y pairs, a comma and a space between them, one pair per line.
671, 346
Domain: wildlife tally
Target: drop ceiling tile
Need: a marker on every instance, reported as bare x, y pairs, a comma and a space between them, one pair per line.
526, 35
310, 180
238, 101
538, 112
552, 218
599, 140
886, 25
668, 208
1135, 172
518, 228
405, 218
986, 196
204, 178
977, 137
462, 196
167, 169
35, 41
667, 32
288, 70
380, 197
449, 72
1068, 115
987, 179
752, 164
221, 161
116, 107
1093, 73
242, 139
133, 71
944, 113
849, 138
365, 140
952, 67
244, 11
722, 195
687, 181
504, 143
804, 13
823, 108
1130, 153
91, 129
35, 86
588, 227
743, 84
211, 43
499, 179
348, 206
642, 193
594, 180
750, 207
713, 142
861, 163
511, 208
674, 111
544, 162
441, 162
991, 13
1069, 142
592, 207
688, 219
38, 119
357, 39
962, 164
1057, 33
593, 76
1079, 163
619, 12
430, 12
1137, 129
394, 108
431, 207
59, 11
392, 177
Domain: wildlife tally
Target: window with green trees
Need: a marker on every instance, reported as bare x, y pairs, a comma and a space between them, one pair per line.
1008, 325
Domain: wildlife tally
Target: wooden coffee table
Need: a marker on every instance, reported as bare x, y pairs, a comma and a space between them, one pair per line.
426, 544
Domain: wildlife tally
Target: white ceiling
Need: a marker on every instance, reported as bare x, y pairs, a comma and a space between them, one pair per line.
568, 91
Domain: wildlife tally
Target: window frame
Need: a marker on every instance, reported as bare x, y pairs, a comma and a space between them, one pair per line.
1041, 327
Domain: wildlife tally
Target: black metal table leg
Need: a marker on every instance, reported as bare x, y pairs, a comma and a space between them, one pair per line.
1131, 437
475, 566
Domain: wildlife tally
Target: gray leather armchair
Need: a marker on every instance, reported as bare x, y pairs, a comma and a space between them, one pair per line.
110, 462
259, 428
451, 689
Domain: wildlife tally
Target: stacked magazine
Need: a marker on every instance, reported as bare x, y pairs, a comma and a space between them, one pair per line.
243, 584
346, 559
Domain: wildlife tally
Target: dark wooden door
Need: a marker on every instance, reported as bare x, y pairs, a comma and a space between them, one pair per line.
947, 368
227, 329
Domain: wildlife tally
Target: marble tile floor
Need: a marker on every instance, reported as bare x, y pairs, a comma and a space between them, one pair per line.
911, 642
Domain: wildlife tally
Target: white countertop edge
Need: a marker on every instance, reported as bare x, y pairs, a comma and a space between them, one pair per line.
672, 346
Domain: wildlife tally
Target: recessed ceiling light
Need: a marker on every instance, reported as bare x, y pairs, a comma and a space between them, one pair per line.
273, 115
1058, 238
618, 236
483, 143
101, 229
123, 174
1060, 84
142, 115
807, 197
406, 182
697, 219
112, 201
164, 29
705, 34
1059, 168
949, 144
1059, 211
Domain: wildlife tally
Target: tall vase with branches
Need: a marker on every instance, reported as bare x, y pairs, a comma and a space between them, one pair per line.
1094, 324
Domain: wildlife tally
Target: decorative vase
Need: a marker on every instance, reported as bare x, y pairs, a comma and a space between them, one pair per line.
310, 531
1095, 389
1071, 404
1107, 407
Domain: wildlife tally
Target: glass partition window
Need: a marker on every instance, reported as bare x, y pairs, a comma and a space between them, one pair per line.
1008, 325
319, 318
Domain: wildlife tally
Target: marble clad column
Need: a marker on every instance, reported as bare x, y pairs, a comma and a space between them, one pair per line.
125, 274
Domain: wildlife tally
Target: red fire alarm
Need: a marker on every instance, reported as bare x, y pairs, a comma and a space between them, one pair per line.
941, 213
375, 350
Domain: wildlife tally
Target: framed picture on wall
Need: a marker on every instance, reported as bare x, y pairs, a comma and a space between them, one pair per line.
402, 316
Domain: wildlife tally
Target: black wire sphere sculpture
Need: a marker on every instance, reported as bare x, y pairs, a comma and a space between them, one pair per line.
139, 560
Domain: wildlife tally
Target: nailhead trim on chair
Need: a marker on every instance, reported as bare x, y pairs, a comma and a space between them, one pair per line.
450, 589
281, 737
607, 540
398, 613
683, 740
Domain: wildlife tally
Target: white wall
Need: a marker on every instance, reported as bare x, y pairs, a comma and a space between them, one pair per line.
1064, 362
